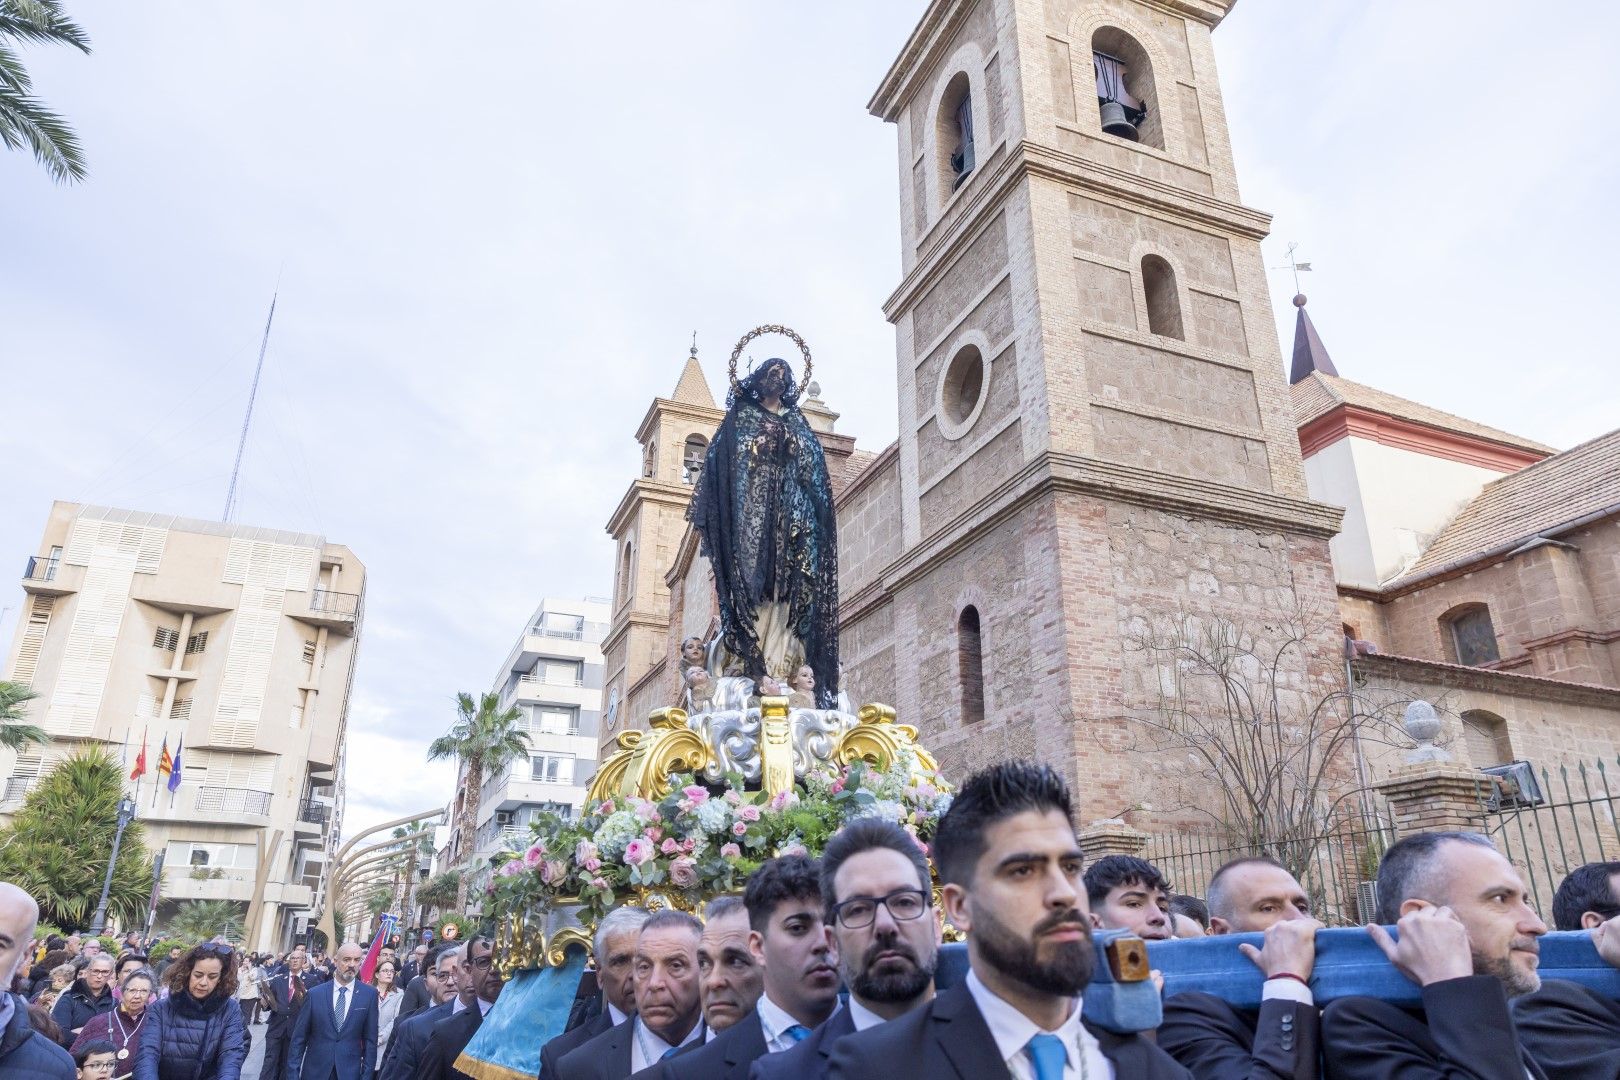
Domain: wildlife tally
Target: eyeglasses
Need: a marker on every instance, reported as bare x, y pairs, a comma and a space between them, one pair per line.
98, 1066
482, 961
859, 911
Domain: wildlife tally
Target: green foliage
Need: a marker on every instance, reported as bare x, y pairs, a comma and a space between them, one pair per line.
378, 901
486, 739
440, 890
159, 950
200, 920
465, 927
24, 119
15, 734
57, 846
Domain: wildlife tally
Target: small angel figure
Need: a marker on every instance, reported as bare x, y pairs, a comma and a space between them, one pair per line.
699, 690
693, 653
802, 688
769, 687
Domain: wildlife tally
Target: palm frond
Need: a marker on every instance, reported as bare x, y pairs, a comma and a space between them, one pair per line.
25, 121
42, 22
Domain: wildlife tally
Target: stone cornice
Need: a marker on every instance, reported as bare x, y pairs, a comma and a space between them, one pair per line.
669, 407
862, 602
1456, 676
646, 490
622, 626
1347, 421
1026, 159
1055, 472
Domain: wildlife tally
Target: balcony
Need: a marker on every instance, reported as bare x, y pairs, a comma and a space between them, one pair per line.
338, 611
317, 813
563, 635
41, 577
224, 800
16, 789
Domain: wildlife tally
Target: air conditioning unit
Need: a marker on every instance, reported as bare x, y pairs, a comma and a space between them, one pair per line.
1367, 901
505, 818
1522, 787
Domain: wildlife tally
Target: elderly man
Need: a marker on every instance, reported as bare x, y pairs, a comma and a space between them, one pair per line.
1217, 1041
411, 1037
1468, 937
483, 980
24, 1053
335, 1035
283, 997
1570, 1031
89, 996
615, 950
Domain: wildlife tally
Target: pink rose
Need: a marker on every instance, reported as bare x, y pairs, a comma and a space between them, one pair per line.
683, 873
645, 810
781, 800
512, 868
592, 864
696, 794
740, 829
605, 808
599, 883
794, 849
638, 851
669, 846
585, 851
545, 872
732, 797
688, 844
534, 856
730, 851
749, 812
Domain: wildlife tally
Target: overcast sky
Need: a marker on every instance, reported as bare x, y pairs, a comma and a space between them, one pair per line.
496, 227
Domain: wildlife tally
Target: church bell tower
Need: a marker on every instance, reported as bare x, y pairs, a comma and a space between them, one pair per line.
1094, 424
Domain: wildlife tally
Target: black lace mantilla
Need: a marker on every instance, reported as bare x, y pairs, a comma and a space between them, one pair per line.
763, 511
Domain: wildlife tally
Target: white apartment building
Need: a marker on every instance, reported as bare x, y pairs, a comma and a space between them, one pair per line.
241, 641
553, 674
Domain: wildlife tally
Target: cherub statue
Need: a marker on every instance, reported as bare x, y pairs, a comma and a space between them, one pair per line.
802, 688
693, 654
699, 690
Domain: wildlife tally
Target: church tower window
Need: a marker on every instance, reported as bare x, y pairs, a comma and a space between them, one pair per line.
955, 131
1126, 102
692, 459
970, 664
1163, 306
1471, 636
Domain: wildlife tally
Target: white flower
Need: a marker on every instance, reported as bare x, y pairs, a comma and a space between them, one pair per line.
714, 816
616, 832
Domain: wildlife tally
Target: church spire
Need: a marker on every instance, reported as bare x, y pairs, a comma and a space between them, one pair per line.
1309, 352
693, 388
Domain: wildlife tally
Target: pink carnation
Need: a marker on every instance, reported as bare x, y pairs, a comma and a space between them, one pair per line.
606, 807
732, 797
781, 800
794, 849
683, 873
697, 795
512, 868
688, 844
670, 846
748, 813
740, 829
592, 864
730, 851
534, 856
645, 810
639, 851
653, 833
599, 883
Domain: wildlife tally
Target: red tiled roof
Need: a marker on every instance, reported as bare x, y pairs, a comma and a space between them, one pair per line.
1318, 394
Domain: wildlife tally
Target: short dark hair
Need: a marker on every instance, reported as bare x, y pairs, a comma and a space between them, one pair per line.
1586, 888
437, 953
1219, 902
91, 1049
867, 834
1407, 870
671, 917
778, 880
989, 796
1112, 871
1192, 907
721, 906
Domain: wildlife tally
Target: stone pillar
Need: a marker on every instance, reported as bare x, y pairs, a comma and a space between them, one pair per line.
1111, 837
1438, 796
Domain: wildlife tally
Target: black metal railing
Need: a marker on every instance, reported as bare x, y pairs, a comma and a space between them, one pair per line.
317, 813
1550, 828
41, 568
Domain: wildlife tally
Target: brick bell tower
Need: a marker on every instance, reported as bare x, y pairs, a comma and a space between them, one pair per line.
1094, 424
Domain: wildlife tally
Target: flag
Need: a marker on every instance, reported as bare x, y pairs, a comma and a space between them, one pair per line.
385, 929
140, 760
165, 761
174, 769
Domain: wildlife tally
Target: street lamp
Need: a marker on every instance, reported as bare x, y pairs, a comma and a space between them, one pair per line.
126, 814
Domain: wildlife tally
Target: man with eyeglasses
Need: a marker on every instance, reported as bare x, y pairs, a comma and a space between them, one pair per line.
283, 997
411, 1037
89, 996
481, 986
1570, 1031
790, 941
878, 895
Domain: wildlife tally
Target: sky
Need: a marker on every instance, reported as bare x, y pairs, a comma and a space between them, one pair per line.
493, 237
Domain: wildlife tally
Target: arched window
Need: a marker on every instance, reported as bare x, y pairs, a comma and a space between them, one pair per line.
954, 133
1127, 102
970, 664
1163, 305
649, 460
1486, 736
692, 459
627, 556
1469, 635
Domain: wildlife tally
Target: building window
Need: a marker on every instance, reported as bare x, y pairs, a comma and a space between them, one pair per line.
1163, 305
181, 709
954, 132
1471, 636
626, 559
1486, 736
549, 720
970, 664
552, 768
166, 638
649, 460
960, 391
197, 643
692, 459
1126, 102
309, 651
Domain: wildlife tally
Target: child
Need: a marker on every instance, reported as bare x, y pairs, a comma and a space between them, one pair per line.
95, 1060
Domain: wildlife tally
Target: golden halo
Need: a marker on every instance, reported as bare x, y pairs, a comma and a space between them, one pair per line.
804, 350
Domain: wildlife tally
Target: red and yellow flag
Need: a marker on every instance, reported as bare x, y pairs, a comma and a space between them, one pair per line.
165, 763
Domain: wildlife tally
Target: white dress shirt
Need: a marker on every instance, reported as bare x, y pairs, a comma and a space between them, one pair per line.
861, 1016
774, 1022
1286, 990
648, 1049
615, 1015
348, 998
1012, 1031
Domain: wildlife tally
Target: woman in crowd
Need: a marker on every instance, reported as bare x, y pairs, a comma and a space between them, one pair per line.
247, 988
127, 962
94, 1060
196, 1032
59, 979
122, 1027
385, 980
47, 998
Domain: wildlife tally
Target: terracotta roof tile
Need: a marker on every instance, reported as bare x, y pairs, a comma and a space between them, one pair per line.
1317, 394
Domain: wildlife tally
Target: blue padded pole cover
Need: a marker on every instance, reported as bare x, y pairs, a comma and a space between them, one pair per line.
532, 1009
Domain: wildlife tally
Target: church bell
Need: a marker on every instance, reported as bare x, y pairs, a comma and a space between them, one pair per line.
1115, 122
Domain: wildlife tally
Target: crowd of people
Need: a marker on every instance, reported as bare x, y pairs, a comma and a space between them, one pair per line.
826, 968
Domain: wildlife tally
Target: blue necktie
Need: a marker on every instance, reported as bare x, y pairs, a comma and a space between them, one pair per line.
798, 1033
343, 1008
668, 1053
1047, 1054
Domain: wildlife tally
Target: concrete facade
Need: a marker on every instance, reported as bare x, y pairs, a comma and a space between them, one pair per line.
241, 641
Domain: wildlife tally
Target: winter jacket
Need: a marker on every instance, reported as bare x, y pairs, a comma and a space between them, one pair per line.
76, 1006
25, 1054
187, 1039
122, 1032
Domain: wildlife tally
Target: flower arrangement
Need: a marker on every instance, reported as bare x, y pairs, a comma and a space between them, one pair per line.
704, 840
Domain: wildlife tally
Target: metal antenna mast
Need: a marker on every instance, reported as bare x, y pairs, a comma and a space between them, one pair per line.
247, 421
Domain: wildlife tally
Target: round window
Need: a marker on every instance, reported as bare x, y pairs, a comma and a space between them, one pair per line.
961, 390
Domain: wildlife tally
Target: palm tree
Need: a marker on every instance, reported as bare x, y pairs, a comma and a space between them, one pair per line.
439, 893
24, 119
199, 920
14, 733
485, 739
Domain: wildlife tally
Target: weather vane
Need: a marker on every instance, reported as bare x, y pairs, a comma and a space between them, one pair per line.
1295, 265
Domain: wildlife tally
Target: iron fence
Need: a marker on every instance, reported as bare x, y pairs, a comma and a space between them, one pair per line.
1337, 864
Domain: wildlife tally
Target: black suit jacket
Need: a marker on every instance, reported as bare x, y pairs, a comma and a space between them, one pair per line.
606, 1057
1281, 1040
1463, 1032
449, 1038
409, 1039
418, 998
808, 1060
553, 1051
282, 1012
725, 1057
948, 1038
1572, 1033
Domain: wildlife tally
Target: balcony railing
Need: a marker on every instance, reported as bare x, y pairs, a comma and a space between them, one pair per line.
565, 635
41, 568
17, 787
338, 605
317, 813
532, 679
229, 800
